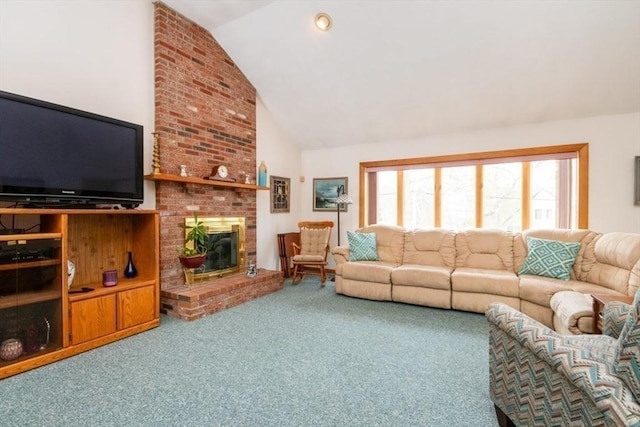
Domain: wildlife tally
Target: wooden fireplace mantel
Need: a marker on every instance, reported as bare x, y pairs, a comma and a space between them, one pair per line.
202, 181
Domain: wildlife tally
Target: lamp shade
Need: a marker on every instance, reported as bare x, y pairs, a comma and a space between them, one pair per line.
344, 198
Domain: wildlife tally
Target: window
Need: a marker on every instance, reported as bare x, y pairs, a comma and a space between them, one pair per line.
458, 197
542, 187
419, 198
387, 195
502, 196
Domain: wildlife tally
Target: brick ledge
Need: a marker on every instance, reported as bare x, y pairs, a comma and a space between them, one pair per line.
219, 294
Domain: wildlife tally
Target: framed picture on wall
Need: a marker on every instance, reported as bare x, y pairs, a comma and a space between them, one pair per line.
279, 189
325, 193
637, 186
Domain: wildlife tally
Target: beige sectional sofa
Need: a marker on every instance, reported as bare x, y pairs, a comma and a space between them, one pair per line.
468, 270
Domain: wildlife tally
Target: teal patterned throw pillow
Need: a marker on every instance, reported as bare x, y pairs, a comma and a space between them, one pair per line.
550, 258
362, 246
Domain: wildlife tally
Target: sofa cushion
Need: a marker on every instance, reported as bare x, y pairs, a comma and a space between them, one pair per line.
550, 258
483, 281
422, 276
368, 271
585, 259
390, 241
628, 361
617, 262
485, 249
432, 247
539, 289
362, 246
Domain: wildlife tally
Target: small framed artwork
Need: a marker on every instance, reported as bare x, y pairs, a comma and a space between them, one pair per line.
637, 186
279, 189
325, 193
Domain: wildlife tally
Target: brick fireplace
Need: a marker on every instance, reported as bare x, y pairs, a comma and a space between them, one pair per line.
205, 116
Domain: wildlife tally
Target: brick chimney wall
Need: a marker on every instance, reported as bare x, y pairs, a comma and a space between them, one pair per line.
198, 88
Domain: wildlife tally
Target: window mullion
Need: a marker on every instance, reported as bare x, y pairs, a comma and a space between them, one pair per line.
479, 197
400, 199
564, 194
437, 194
526, 195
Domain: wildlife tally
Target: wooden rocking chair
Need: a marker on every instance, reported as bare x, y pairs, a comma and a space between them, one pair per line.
313, 248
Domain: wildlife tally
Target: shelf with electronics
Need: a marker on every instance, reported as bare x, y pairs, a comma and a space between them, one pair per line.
42, 318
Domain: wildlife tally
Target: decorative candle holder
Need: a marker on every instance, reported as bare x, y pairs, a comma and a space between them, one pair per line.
109, 278
156, 152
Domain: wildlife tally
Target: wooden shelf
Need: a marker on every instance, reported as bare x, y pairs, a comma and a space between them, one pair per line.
29, 236
201, 181
99, 290
95, 240
29, 264
25, 298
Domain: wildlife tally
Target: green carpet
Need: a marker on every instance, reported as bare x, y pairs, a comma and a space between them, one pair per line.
302, 356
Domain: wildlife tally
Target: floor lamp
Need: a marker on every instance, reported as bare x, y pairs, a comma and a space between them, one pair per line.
342, 198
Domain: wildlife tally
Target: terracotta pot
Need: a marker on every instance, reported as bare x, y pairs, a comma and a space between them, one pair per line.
192, 261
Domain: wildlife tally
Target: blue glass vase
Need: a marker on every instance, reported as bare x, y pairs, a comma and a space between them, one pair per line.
130, 270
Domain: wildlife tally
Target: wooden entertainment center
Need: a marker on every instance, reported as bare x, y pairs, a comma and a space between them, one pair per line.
41, 319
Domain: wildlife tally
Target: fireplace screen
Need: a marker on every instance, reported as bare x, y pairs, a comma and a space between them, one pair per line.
222, 251
225, 246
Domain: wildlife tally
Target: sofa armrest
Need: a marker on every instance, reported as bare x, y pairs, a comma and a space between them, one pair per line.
614, 316
586, 362
549, 345
340, 254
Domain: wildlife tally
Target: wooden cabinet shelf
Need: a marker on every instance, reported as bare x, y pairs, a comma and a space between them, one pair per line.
34, 282
202, 181
99, 290
25, 298
29, 236
29, 264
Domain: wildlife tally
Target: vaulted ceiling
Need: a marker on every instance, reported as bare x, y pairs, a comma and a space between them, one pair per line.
391, 70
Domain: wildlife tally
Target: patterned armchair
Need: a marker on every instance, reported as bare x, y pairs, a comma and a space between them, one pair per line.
541, 378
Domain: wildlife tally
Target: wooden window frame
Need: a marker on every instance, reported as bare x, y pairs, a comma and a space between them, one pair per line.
579, 150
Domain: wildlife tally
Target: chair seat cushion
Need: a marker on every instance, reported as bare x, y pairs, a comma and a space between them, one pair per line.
308, 258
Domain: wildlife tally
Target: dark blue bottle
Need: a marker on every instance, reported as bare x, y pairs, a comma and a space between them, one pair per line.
130, 270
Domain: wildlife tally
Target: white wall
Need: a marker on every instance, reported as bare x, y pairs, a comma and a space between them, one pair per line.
614, 141
98, 56
95, 56
282, 158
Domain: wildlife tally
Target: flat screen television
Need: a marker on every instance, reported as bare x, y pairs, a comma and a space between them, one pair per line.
51, 155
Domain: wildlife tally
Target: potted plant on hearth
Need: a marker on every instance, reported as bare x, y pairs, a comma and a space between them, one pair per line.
194, 251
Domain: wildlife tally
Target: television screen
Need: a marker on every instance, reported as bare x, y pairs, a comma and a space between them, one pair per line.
50, 154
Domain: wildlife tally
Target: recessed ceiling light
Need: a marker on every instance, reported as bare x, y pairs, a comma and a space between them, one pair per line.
323, 21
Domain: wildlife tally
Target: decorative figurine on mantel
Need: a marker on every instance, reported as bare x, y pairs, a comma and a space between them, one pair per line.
262, 174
